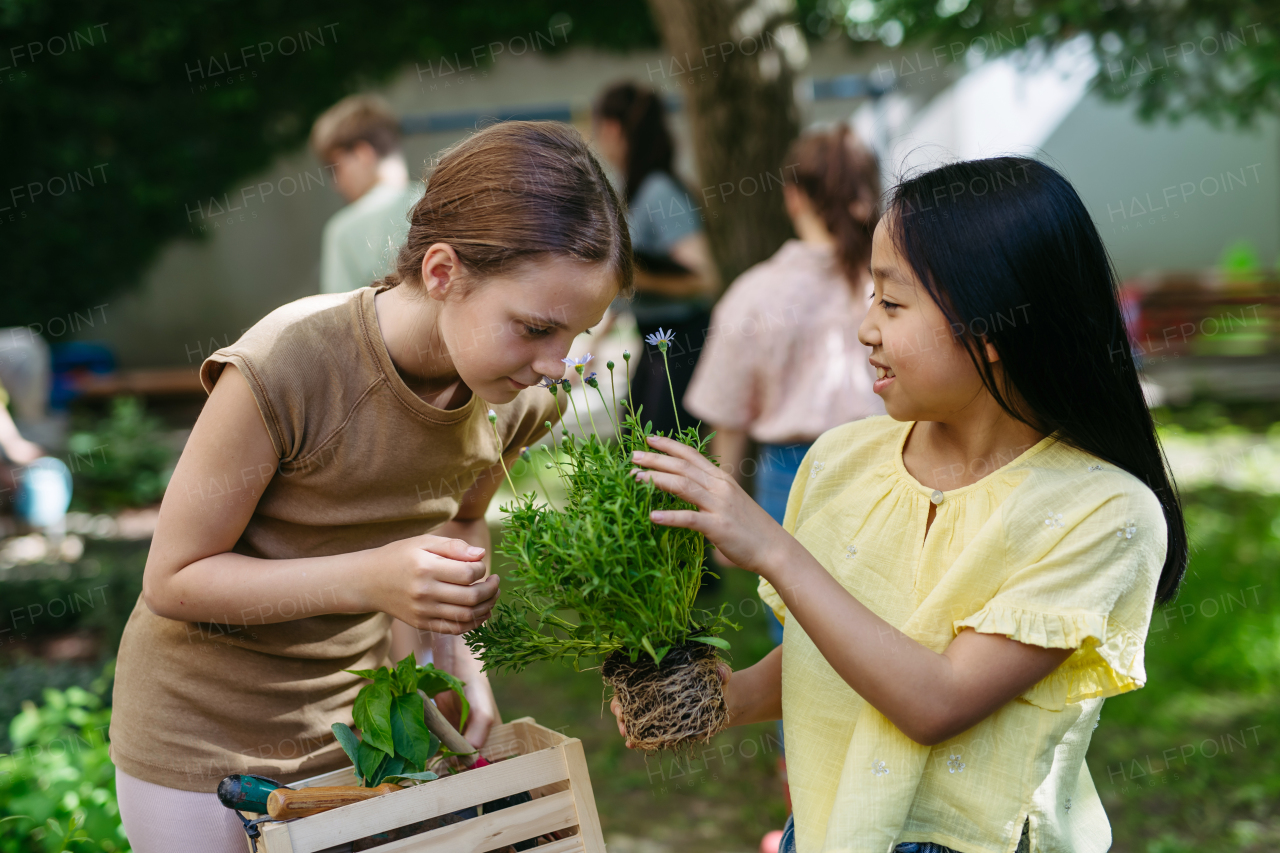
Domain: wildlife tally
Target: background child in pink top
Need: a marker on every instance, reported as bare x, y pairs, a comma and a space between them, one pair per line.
782, 363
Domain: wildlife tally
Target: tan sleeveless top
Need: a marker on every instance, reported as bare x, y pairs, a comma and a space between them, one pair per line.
363, 461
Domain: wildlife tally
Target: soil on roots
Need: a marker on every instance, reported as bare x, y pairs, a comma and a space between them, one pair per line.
676, 705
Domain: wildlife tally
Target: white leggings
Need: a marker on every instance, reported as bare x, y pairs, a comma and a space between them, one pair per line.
166, 820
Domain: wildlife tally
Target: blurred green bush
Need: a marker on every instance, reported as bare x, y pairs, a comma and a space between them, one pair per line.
57, 786
122, 461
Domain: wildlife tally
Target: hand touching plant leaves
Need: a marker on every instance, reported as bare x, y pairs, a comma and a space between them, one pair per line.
598, 579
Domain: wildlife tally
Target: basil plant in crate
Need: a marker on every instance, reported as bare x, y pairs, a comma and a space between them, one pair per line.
394, 744
596, 579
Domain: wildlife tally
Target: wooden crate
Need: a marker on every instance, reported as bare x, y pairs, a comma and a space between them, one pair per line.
549, 765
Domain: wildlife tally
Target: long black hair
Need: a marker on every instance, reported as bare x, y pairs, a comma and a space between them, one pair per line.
1007, 250
644, 126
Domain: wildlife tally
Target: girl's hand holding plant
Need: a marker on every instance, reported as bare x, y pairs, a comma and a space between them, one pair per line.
738, 526
433, 584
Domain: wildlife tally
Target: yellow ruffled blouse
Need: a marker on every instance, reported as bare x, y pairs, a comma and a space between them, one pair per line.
1054, 548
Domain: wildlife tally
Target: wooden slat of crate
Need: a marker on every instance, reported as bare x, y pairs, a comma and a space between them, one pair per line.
418, 803
548, 764
491, 832
573, 844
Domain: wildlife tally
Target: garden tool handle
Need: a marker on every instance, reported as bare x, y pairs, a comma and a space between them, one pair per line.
454, 742
285, 803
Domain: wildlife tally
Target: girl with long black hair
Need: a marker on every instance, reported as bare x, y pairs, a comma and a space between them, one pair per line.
963, 582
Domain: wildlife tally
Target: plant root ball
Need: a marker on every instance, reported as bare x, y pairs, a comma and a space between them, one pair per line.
676, 705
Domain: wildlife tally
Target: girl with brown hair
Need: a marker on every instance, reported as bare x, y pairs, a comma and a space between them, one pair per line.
336, 481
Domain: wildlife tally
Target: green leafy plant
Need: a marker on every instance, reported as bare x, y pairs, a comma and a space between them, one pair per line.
57, 785
123, 461
597, 579
394, 743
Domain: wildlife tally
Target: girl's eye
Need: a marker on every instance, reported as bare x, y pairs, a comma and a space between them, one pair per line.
887, 304
536, 331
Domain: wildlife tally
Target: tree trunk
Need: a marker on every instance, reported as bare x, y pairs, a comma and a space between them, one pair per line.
733, 63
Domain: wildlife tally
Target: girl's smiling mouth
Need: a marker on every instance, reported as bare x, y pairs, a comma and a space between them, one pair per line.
884, 376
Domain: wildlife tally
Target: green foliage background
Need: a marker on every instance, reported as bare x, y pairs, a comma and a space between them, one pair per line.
1129, 40
128, 103
121, 461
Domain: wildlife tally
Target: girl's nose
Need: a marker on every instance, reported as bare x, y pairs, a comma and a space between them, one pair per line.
550, 365
868, 332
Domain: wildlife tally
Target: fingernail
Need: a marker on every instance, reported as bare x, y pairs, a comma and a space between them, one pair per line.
657, 516
474, 551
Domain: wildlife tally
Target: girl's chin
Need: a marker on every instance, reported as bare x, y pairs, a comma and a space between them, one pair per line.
503, 390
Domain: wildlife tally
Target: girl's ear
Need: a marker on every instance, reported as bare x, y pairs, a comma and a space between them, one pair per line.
992, 354
440, 271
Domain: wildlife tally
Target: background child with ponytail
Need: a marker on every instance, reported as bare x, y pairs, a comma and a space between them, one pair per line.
337, 478
783, 363
965, 581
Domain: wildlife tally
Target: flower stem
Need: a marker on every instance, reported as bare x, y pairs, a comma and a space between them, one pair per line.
555, 462
614, 394
612, 423
541, 485
674, 408
498, 439
575, 410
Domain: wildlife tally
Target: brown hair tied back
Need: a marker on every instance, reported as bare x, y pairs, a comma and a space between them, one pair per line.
840, 175
515, 192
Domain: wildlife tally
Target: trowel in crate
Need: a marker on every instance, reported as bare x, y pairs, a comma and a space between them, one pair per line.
262, 795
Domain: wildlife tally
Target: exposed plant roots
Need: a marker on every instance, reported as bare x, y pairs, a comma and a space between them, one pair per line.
673, 706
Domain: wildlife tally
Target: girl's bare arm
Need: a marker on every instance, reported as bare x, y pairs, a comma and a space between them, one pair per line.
192, 575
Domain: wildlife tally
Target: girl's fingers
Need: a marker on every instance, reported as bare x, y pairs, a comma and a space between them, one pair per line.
674, 448
663, 462
678, 485
686, 518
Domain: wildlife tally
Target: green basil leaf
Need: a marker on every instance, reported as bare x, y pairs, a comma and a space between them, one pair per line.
371, 759
363, 673
348, 740
372, 714
406, 675
712, 641
392, 766
409, 728
425, 776
432, 681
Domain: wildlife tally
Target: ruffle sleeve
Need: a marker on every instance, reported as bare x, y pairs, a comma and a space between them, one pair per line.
1082, 561
770, 596
1109, 659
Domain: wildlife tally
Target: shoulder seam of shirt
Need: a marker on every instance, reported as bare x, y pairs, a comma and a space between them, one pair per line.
327, 440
